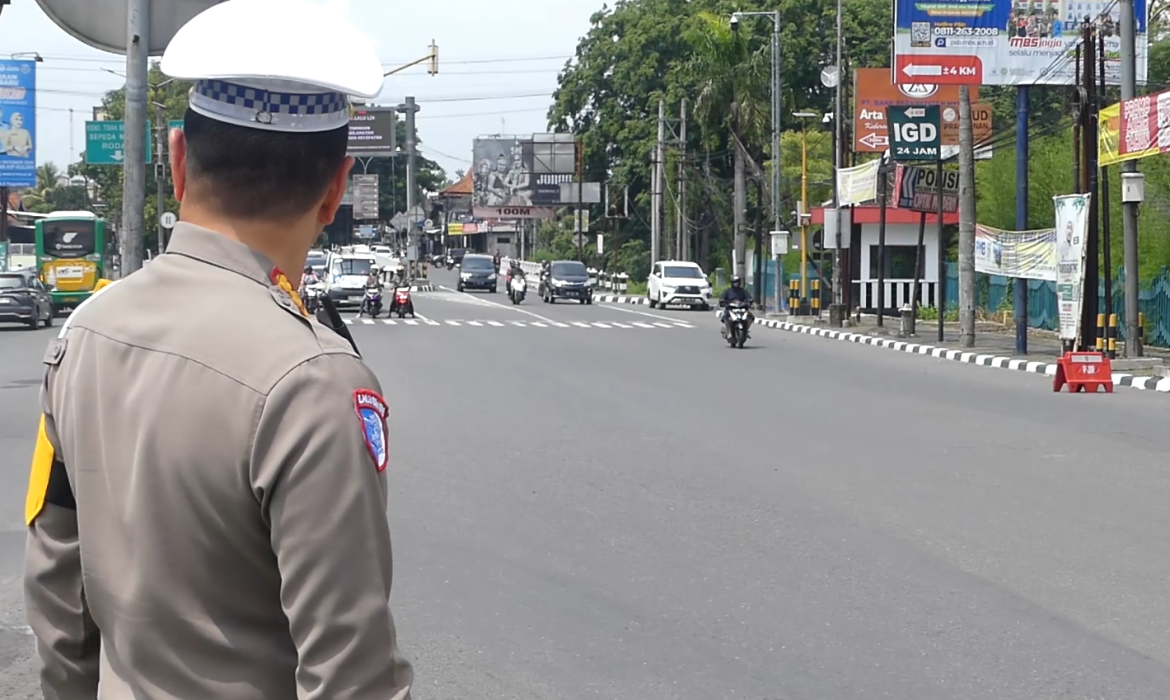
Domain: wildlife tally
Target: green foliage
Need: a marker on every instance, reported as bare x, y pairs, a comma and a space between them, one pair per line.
639, 50
1050, 173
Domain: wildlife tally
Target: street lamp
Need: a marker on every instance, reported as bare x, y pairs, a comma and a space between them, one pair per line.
777, 96
802, 214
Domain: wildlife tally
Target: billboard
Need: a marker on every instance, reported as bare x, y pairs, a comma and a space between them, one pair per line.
1134, 129
373, 132
1005, 42
18, 123
875, 91
1021, 254
503, 183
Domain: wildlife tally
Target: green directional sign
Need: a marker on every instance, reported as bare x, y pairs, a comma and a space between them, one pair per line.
103, 143
915, 132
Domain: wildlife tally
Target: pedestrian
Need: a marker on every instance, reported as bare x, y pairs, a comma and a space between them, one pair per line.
207, 504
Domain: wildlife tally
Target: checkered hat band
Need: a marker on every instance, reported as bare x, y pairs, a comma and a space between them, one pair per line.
264, 109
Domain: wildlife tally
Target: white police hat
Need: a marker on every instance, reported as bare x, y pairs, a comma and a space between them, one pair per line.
278, 65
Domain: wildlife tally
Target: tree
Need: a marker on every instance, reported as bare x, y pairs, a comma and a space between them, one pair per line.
639, 50
39, 197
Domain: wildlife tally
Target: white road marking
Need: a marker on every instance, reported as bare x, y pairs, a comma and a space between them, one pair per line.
411, 322
509, 306
598, 324
538, 324
474, 323
579, 324
452, 323
497, 324
639, 324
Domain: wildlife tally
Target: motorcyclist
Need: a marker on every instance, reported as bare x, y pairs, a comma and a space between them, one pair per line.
496, 260
515, 271
373, 281
308, 278
734, 293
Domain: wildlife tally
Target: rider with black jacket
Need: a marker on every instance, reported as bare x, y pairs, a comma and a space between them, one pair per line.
734, 293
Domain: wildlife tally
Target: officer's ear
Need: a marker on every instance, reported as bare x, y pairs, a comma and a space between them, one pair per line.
178, 147
335, 193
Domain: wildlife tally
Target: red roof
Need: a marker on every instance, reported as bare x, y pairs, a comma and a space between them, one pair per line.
871, 214
459, 189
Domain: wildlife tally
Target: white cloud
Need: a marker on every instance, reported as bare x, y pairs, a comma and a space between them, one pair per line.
345, 7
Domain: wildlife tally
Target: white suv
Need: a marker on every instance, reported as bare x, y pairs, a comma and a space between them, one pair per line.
678, 282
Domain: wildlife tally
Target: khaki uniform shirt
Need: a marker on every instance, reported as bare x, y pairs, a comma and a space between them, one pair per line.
213, 523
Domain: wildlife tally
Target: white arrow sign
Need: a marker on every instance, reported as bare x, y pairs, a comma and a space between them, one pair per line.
913, 70
873, 140
117, 155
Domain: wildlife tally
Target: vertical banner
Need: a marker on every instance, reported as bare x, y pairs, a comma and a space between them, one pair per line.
18, 123
1072, 221
365, 197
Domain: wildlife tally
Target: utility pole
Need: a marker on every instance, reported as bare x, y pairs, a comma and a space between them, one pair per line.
160, 174
580, 200
1020, 285
1129, 210
739, 239
134, 145
839, 312
408, 108
966, 221
777, 107
684, 235
656, 185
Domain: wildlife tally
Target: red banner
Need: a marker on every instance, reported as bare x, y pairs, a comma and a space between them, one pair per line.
1144, 126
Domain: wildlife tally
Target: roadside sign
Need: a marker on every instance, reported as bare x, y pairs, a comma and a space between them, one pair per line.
874, 90
915, 132
103, 143
168, 220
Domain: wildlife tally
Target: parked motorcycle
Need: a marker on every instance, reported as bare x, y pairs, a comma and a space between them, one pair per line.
371, 302
402, 302
517, 288
735, 328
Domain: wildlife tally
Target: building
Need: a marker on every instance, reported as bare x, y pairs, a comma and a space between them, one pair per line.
860, 254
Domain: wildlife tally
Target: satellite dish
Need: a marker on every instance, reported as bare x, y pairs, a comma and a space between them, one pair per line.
830, 76
102, 23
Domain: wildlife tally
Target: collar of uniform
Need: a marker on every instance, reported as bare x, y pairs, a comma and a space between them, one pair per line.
216, 249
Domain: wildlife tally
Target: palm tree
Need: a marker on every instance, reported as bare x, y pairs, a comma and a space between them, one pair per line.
731, 99
40, 197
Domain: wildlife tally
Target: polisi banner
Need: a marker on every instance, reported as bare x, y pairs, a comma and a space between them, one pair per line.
917, 189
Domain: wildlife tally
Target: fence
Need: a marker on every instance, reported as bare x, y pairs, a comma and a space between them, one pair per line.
994, 293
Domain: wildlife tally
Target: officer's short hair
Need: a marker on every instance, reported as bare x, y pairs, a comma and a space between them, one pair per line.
259, 174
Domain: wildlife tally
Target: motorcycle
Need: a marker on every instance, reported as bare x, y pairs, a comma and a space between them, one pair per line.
312, 297
735, 328
372, 302
450, 262
517, 288
402, 302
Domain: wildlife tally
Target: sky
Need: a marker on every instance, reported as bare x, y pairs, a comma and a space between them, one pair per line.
498, 65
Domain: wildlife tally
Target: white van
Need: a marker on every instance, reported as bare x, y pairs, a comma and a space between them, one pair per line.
345, 276
678, 282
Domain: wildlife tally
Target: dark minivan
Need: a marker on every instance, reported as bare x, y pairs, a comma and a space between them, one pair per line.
477, 272
24, 299
566, 279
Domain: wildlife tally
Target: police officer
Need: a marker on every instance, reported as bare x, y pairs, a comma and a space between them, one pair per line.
207, 504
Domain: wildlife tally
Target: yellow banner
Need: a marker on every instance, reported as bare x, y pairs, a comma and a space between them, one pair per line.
1109, 136
455, 229
1109, 139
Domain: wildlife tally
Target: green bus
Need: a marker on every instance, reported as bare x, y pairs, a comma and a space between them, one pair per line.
71, 255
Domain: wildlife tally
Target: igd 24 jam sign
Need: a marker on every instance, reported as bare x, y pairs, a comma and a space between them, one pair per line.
914, 132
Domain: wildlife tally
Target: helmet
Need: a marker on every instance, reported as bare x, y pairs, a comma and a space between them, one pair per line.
737, 281
308, 269
374, 269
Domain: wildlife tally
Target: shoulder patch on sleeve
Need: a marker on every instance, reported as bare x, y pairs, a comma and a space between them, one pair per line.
55, 352
373, 411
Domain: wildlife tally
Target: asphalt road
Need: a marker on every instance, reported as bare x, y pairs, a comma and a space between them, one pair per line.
632, 512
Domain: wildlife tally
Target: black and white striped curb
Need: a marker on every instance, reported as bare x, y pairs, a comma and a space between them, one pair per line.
620, 299
1161, 384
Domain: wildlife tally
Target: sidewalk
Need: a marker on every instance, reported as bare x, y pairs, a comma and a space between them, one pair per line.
994, 346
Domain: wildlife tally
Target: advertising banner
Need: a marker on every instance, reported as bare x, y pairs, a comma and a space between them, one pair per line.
365, 196
858, 184
18, 123
503, 183
373, 132
1021, 254
552, 164
916, 189
1134, 129
1072, 221
1005, 42
874, 91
